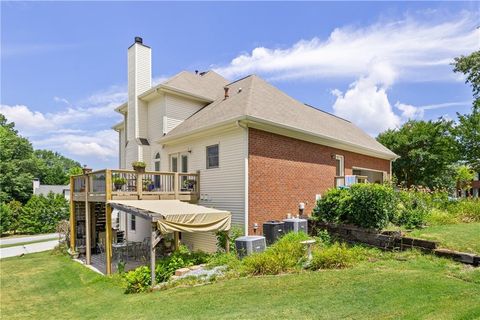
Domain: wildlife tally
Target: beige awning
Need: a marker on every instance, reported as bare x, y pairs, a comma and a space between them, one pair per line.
175, 215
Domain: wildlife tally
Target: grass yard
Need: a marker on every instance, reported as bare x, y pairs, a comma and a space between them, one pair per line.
45, 286
461, 237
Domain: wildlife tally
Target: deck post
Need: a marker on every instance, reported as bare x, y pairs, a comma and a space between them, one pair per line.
227, 242
152, 255
139, 185
176, 185
88, 245
108, 221
176, 237
72, 215
198, 185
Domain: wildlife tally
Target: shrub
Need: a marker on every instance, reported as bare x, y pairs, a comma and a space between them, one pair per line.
332, 206
370, 205
365, 205
6, 218
466, 210
221, 236
166, 267
284, 255
337, 256
412, 209
138, 280
230, 260
440, 217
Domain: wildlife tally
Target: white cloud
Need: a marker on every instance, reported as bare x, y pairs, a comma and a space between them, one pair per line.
418, 48
366, 104
409, 111
26, 121
102, 144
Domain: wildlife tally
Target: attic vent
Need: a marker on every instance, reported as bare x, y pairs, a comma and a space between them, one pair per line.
143, 141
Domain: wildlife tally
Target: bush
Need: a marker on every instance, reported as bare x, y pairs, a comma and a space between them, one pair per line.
41, 214
221, 236
440, 217
284, 255
332, 206
412, 209
166, 267
138, 280
6, 218
364, 205
466, 210
230, 260
337, 256
371, 205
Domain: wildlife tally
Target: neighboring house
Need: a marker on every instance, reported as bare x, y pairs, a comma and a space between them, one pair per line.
44, 189
260, 152
474, 190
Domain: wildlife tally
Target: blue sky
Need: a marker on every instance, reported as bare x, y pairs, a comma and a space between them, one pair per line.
64, 70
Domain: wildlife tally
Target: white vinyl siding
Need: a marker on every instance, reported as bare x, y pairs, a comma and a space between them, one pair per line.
177, 109
221, 188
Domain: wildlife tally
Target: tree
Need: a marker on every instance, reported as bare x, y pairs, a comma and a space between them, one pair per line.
41, 214
73, 171
468, 128
467, 132
427, 150
17, 166
470, 67
464, 177
53, 168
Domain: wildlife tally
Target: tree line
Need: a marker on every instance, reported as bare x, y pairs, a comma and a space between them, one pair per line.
440, 153
20, 210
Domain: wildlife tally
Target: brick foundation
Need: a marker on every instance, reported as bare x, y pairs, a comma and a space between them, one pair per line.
285, 171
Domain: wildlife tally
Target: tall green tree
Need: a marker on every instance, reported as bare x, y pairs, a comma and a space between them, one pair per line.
17, 165
427, 150
53, 168
468, 127
470, 67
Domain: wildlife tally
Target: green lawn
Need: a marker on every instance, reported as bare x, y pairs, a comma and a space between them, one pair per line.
462, 237
44, 286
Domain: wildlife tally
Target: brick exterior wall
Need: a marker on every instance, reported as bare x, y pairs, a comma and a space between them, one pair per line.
285, 171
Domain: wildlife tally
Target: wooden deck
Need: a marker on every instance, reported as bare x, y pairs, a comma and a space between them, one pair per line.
130, 185
91, 215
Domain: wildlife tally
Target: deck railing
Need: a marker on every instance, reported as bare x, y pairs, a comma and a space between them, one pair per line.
339, 181
130, 184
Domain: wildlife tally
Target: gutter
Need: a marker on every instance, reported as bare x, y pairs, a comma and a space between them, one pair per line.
245, 120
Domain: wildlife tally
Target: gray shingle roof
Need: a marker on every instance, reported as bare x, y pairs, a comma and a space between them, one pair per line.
254, 98
209, 85
46, 189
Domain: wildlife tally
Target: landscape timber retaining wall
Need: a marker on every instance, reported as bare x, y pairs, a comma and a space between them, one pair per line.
388, 240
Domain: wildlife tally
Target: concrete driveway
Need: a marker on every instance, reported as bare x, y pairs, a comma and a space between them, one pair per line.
27, 248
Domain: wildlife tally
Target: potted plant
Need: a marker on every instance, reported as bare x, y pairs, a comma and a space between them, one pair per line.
139, 166
119, 182
189, 184
148, 185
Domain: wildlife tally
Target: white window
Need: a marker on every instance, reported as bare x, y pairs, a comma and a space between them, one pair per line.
212, 156
157, 162
133, 223
340, 166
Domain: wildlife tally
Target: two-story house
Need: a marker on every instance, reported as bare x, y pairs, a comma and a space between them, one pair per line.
260, 153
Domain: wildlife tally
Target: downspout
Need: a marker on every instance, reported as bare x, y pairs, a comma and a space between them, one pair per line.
245, 171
